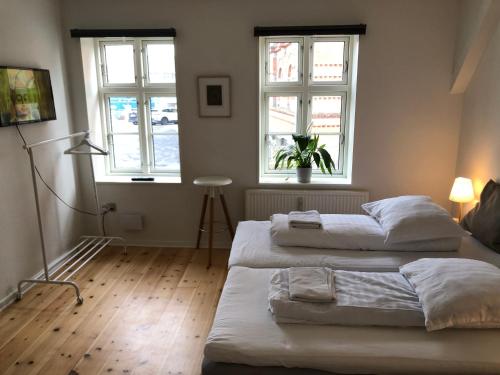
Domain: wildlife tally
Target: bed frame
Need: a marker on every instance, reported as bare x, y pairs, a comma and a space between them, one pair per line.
219, 368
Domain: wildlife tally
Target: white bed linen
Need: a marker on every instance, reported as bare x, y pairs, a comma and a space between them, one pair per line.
412, 218
462, 293
243, 332
362, 299
350, 232
252, 247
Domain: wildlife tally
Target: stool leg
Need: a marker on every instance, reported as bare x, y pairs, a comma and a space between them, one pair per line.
202, 218
226, 214
210, 229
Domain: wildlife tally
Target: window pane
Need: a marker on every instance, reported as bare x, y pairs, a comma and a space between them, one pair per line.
282, 116
326, 113
166, 151
126, 152
332, 145
163, 110
283, 63
120, 63
161, 65
328, 59
123, 113
274, 143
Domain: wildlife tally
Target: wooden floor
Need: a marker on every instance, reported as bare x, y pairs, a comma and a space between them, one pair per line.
146, 312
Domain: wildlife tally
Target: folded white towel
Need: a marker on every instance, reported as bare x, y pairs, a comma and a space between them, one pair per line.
305, 219
311, 284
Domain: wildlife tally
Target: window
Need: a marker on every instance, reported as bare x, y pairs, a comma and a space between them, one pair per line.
139, 105
307, 84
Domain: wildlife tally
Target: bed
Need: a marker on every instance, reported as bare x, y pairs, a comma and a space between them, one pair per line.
252, 247
245, 339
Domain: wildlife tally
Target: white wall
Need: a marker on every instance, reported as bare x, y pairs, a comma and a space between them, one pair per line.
479, 152
471, 15
30, 36
407, 123
478, 21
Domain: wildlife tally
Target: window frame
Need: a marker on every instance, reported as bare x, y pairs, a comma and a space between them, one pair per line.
142, 90
300, 63
149, 129
145, 75
307, 88
345, 70
103, 73
110, 134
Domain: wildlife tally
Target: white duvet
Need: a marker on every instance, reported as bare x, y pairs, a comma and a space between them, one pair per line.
362, 299
244, 332
252, 247
350, 232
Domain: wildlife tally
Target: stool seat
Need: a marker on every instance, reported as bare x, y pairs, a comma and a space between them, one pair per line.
212, 181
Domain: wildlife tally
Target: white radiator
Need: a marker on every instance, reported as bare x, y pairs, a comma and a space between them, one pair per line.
262, 203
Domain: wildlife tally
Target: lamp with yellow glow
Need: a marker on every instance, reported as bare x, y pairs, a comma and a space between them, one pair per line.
462, 192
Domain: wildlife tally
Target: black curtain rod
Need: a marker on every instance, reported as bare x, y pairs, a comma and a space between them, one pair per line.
131, 33
310, 30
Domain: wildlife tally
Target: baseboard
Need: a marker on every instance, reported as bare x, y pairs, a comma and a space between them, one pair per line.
11, 297
187, 244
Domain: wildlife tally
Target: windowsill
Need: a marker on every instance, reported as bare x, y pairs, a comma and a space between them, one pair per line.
315, 180
127, 180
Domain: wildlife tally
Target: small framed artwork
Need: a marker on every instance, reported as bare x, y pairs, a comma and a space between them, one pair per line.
214, 96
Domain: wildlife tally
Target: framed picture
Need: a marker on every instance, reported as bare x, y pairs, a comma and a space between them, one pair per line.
214, 96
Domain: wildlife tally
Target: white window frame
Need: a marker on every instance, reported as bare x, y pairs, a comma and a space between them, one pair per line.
143, 90
300, 66
145, 75
305, 89
149, 130
102, 55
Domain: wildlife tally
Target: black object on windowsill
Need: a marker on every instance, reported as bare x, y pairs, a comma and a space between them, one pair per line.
140, 179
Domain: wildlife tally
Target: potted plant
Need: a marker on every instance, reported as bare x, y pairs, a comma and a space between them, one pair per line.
302, 153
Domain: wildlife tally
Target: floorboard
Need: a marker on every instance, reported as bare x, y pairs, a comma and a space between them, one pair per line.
145, 312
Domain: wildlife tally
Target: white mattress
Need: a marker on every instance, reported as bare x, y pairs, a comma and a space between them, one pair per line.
362, 299
349, 232
252, 247
244, 332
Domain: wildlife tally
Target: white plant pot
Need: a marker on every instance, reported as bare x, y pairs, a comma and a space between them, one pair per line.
304, 175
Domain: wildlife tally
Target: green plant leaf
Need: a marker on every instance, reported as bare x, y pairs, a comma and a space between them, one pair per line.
316, 140
304, 152
301, 140
280, 157
325, 155
322, 166
277, 158
317, 158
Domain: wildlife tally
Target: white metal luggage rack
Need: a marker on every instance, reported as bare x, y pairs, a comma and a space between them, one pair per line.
88, 246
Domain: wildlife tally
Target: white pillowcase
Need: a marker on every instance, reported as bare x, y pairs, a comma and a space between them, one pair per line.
412, 218
455, 292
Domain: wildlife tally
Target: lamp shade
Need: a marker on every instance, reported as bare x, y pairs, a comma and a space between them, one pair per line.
462, 190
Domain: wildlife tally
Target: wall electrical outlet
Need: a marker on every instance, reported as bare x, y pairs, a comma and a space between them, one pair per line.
109, 206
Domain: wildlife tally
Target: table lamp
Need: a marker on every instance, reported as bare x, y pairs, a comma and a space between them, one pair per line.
462, 192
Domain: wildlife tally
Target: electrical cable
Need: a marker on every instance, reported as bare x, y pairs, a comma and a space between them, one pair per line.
50, 188
103, 223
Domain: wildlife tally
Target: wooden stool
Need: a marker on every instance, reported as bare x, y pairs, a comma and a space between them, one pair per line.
212, 184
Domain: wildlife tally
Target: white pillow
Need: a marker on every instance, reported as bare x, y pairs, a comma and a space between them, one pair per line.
455, 292
412, 218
